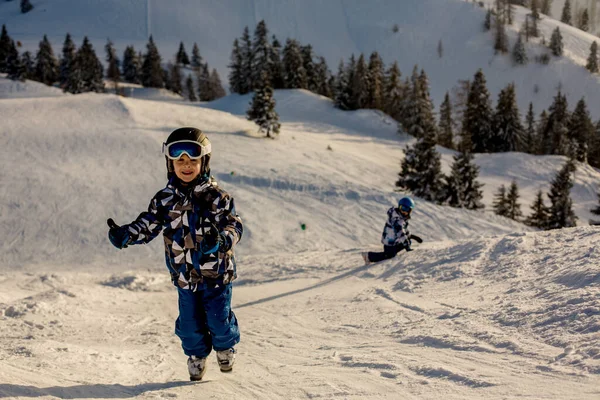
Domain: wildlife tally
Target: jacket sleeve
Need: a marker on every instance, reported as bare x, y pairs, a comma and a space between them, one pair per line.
402, 234
228, 222
147, 225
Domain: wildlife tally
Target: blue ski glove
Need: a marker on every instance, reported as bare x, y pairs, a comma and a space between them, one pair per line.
118, 235
215, 241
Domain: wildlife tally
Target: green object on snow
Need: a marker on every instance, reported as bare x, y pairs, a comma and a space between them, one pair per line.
303, 226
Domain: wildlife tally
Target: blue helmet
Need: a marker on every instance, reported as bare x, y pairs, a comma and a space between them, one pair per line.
406, 204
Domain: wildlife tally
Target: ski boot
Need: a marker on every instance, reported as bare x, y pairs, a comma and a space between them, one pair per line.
196, 367
226, 358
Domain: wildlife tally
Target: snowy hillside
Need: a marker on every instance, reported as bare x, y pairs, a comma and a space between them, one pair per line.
485, 308
336, 29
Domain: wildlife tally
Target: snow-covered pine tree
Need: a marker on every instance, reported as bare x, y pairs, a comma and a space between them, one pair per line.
46, 65
236, 82
530, 142
500, 204
309, 66
556, 42
566, 13
594, 148
507, 128
418, 119
277, 65
189, 87
592, 61
323, 75
197, 61
175, 78
462, 189
182, 57
262, 108
131, 67
261, 53
584, 21
68, 56
26, 6
581, 130
113, 72
539, 216
421, 170
204, 88
487, 22
375, 76
519, 53
342, 100
360, 84
87, 73
478, 116
152, 72
596, 211
5, 48
293, 66
513, 208
393, 92
216, 88
543, 142
446, 131
533, 18
500, 39
15, 67
28, 65
555, 137
545, 8
561, 213
247, 60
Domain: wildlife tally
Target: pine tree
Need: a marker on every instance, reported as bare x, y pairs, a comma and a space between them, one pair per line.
342, 99
543, 142
175, 78
182, 57
293, 66
131, 66
309, 67
546, 7
580, 130
487, 23
277, 65
532, 29
261, 54
26, 6
446, 134
204, 87
419, 120
5, 48
592, 61
539, 217
393, 92
561, 206
501, 40
556, 43
375, 82
113, 72
189, 86
421, 170
596, 211
262, 109
152, 72
513, 208
507, 127
530, 142
477, 121
566, 13
87, 73
500, 203
247, 60
584, 22
197, 58
519, 53
28, 65
15, 67
66, 61
323, 75
555, 136
46, 66
594, 147
216, 88
236, 82
462, 189
360, 84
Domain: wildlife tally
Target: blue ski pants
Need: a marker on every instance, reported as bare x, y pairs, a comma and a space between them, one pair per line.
205, 320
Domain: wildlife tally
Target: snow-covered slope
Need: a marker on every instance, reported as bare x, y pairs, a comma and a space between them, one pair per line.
336, 29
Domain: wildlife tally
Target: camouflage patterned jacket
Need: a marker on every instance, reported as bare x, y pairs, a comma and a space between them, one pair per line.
395, 231
185, 216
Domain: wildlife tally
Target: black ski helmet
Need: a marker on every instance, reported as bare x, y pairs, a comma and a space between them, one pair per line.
196, 135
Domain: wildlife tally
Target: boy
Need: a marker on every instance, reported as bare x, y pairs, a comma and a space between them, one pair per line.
200, 227
395, 235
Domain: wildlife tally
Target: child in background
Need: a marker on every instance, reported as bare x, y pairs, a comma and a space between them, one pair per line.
396, 236
200, 228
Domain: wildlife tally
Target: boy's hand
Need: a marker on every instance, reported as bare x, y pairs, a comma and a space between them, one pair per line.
416, 238
118, 235
215, 241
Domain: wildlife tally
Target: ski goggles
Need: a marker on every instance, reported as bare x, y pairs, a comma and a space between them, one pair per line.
192, 149
405, 210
